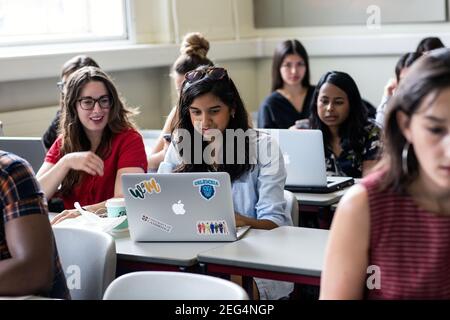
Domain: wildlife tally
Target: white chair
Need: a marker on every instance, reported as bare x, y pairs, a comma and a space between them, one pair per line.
292, 206
164, 285
88, 259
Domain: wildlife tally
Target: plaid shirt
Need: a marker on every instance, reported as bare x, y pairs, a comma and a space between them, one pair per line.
20, 195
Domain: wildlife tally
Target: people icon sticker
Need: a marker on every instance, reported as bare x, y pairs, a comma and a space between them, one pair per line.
212, 227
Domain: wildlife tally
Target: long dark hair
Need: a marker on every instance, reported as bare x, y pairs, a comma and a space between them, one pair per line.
282, 50
74, 138
226, 91
352, 129
430, 73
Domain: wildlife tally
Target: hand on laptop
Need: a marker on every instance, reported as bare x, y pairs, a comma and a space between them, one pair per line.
240, 220
86, 161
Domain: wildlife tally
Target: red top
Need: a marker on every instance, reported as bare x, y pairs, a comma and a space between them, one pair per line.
127, 150
410, 245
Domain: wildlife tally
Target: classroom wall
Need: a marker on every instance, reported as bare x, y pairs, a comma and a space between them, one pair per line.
142, 71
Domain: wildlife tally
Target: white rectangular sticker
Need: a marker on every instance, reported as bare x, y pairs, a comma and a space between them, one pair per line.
156, 223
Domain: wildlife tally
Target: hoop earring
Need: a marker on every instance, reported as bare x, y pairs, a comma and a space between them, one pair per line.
405, 153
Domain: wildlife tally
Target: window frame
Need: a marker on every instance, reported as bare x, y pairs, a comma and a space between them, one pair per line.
57, 40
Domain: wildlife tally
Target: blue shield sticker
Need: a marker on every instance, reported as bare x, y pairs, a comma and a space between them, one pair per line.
207, 191
207, 187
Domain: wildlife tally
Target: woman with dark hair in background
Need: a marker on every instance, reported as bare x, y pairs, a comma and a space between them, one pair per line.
68, 68
401, 68
390, 237
350, 139
291, 89
193, 53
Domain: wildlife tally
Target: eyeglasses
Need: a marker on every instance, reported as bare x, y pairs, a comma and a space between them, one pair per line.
60, 85
88, 103
214, 73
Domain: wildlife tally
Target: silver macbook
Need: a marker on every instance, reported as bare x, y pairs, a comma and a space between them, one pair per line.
180, 207
29, 148
304, 158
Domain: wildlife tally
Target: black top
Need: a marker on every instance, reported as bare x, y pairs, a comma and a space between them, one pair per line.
52, 132
277, 112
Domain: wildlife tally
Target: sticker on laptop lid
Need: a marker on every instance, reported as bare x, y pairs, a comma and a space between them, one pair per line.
207, 187
218, 227
156, 223
143, 187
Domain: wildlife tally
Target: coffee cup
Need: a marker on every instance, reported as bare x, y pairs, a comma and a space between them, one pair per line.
115, 207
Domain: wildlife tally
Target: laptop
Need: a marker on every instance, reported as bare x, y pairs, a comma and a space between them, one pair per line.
180, 207
29, 148
304, 158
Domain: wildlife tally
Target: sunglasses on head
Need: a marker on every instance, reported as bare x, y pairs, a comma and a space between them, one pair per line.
214, 73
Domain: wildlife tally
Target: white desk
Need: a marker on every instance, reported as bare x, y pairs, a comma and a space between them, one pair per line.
162, 255
319, 199
285, 253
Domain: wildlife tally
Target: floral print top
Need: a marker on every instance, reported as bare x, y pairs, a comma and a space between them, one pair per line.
349, 163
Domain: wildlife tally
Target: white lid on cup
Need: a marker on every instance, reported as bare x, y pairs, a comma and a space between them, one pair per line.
115, 202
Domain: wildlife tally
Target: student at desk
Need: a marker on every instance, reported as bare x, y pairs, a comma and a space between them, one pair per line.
209, 105
97, 145
29, 262
291, 89
390, 237
350, 139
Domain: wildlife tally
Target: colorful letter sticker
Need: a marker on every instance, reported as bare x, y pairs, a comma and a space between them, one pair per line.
217, 227
143, 187
207, 187
156, 223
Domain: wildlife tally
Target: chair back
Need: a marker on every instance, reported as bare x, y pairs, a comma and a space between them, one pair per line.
166, 285
88, 259
292, 206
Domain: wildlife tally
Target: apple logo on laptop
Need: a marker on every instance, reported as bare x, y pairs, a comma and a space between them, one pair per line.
287, 159
178, 208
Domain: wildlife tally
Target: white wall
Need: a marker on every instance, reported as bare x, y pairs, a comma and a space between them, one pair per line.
28, 76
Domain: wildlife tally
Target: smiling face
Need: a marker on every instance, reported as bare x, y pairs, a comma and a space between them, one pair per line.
428, 130
209, 112
333, 106
292, 69
94, 121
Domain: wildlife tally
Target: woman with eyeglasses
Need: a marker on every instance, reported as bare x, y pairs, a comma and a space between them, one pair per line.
210, 110
193, 53
291, 89
390, 237
68, 68
98, 143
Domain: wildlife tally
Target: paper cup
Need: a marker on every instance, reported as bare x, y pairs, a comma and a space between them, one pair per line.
116, 208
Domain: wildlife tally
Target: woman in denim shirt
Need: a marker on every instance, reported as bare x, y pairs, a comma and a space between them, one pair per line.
211, 110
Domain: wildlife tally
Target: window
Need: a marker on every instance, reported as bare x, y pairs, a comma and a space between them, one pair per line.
52, 21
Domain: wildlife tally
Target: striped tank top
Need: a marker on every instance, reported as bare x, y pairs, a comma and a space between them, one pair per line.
409, 245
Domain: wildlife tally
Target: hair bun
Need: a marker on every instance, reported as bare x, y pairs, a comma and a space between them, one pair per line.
195, 44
